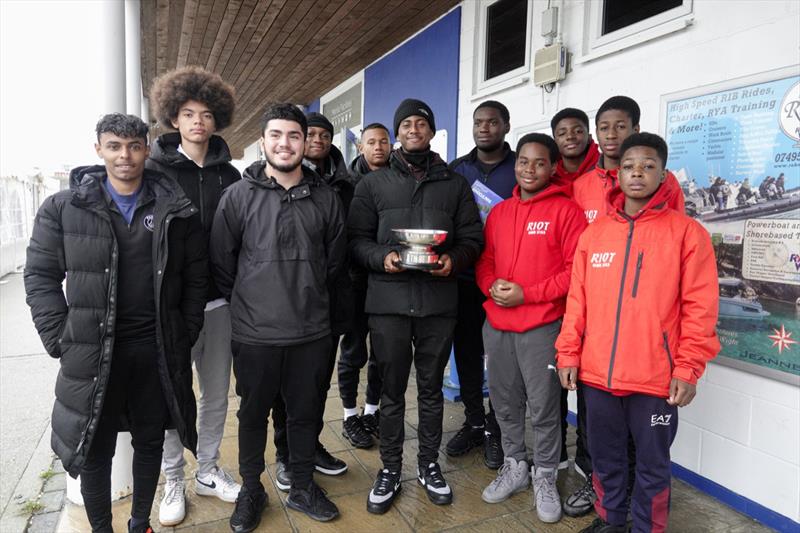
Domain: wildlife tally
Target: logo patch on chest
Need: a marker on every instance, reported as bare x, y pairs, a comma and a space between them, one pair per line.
148, 222
602, 259
591, 215
537, 228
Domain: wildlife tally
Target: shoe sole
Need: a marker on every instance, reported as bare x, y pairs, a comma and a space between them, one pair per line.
170, 523
574, 514
317, 517
517, 491
329, 472
382, 508
282, 487
459, 453
433, 498
360, 446
492, 466
563, 465
248, 530
211, 492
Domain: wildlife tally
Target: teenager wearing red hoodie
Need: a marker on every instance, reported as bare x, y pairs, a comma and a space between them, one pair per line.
579, 153
640, 359
524, 271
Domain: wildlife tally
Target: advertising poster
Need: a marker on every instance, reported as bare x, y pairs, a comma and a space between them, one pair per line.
736, 153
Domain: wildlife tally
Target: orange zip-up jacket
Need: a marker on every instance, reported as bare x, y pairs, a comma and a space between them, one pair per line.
565, 177
590, 192
643, 300
530, 242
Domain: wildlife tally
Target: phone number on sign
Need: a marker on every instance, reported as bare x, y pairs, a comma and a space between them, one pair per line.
782, 157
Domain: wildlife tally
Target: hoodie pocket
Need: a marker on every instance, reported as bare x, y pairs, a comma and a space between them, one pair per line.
635, 289
666, 348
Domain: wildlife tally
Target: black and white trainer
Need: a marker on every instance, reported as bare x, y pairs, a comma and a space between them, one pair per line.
353, 430
431, 478
385, 489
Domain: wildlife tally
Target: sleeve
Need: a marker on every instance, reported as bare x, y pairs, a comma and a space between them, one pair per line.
468, 240
484, 268
45, 269
195, 278
556, 286
699, 305
226, 241
362, 229
336, 241
569, 344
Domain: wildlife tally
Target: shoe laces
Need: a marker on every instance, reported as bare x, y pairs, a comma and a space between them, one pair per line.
246, 506
434, 475
174, 490
356, 427
385, 482
587, 489
227, 481
492, 442
546, 487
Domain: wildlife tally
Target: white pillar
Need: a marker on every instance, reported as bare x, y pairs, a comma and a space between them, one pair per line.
112, 44
121, 473
133, 71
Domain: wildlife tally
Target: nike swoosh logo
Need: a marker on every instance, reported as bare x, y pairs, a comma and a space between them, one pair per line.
212, 485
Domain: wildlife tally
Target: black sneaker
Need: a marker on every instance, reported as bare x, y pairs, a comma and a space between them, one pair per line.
247, 513
283, 476
353, 430
313, 502
437, 488
601, 526
143, 528
386, 487
492, 451
581, 502
372, 423
466, 439
327, 464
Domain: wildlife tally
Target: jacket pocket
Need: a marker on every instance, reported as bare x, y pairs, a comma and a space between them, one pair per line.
669, 353
635, 289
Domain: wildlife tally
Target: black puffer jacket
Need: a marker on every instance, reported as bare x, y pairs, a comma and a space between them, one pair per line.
337, 177
274, 255
73, 234
391, 198
204, 185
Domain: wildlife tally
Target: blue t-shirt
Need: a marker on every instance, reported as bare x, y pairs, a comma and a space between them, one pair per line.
126, 203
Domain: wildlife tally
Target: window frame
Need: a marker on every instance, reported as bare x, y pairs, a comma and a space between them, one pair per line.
519, 75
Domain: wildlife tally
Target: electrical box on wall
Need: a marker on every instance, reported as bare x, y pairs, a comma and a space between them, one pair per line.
549, 64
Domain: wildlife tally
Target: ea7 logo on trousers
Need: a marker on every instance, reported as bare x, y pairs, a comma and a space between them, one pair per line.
537, 228
659, 420
602, 259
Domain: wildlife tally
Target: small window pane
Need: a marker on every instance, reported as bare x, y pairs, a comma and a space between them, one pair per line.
506, 23
618, 14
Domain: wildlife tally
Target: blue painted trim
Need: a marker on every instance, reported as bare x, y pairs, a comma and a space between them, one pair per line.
754, 510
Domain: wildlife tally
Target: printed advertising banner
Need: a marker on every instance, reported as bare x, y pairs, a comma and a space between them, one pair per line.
735, 148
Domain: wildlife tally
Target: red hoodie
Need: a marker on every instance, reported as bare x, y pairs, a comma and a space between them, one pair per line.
643, 300
590, 190
530, 242
564, 177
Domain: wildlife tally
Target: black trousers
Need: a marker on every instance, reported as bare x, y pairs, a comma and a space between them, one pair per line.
469, 352
399, 341
134, 400
354, 355
296, 373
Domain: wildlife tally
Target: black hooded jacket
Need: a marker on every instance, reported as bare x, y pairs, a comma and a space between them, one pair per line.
337, 178
275, 254
73, 236
203, 185
392, 198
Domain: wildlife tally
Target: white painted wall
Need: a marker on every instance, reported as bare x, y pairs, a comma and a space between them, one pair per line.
742, 431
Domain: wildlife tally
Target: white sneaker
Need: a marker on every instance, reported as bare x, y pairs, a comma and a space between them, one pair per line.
172, 510
217, 483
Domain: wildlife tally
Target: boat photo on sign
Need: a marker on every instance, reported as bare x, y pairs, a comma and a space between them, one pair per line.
735, 148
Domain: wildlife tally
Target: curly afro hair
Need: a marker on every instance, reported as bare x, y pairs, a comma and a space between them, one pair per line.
174, 88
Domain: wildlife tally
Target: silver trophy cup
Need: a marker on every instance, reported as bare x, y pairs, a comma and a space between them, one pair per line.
417, 252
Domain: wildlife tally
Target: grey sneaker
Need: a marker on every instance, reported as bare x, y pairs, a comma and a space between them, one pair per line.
545, 495
513, 477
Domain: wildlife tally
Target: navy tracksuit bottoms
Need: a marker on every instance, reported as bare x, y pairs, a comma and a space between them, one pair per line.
653, 424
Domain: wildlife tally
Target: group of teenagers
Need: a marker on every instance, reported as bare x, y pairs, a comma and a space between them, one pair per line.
569, 264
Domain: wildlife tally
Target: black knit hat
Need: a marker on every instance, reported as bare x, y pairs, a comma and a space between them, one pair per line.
318, 120
409, 107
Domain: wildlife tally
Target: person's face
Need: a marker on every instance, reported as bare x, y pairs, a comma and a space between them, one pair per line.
488, 129
124, 157
533, 168
283, 144
318, 143
572, 137
375, 147
613, 127
641, 171
414, 134
195, 122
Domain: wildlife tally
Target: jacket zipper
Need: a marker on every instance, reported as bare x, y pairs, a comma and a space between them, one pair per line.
669, 354
636, 277
202, 201
619, 302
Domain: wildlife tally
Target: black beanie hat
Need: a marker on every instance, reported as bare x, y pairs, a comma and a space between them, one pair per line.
409, 107
318, 120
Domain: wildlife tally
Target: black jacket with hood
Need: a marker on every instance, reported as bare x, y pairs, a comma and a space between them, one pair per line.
392, 198
275, 254
73, 236
203, 185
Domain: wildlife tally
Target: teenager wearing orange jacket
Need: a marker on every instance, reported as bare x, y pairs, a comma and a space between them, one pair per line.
579, 153
640, 358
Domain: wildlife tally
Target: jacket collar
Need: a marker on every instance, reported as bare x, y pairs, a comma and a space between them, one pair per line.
88, 188
165, 151
472, 156
551, 190
436, 171
256, 175
658, 204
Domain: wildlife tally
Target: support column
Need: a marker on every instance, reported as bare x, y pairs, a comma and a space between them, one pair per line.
133, 71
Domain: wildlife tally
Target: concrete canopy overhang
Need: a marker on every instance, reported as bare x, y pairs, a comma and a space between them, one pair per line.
275, 50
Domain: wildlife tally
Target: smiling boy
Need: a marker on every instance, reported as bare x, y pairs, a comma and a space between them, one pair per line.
578, 151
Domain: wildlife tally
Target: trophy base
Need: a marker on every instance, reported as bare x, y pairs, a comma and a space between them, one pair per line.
419, 266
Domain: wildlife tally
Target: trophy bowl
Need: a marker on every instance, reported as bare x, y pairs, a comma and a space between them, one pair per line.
417, 252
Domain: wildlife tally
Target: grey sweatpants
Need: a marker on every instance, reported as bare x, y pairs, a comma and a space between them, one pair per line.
211, 355
522, 373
